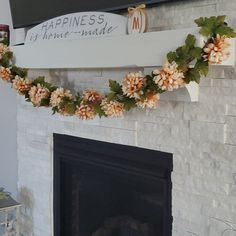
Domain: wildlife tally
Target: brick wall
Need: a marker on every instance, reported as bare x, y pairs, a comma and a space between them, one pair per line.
201, 136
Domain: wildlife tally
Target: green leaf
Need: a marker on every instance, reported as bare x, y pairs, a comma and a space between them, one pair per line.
193, 75
205, 31
172, 56
44, 102
200, 21
220, 19
202, 67
22, 72
39, 80
129, 104
4, 41
225, 31
78, 98
214, 25
183, 66
98, 110
55, 110
190, 41
115, 86
110, 96
70, 108
6, 59
196, 52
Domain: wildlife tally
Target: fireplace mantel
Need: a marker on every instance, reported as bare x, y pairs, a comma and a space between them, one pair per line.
139, 50
146, 50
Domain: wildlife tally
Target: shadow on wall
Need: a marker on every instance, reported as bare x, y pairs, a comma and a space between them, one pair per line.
26, 214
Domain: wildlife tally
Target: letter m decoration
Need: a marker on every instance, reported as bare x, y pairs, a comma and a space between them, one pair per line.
137, 22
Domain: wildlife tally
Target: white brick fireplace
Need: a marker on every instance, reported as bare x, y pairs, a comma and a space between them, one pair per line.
201, 135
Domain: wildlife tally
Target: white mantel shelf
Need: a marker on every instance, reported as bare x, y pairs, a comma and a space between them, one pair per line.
142, 50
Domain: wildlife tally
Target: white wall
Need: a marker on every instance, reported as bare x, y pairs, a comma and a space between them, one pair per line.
8, 159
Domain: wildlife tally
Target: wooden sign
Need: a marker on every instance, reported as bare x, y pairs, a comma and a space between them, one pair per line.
137, 20
78, 26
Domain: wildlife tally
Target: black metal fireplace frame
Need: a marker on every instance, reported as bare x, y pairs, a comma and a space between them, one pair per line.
157, 165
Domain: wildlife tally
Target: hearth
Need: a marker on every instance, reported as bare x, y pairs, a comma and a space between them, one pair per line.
105, 189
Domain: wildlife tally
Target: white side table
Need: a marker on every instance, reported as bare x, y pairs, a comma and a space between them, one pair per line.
9, 213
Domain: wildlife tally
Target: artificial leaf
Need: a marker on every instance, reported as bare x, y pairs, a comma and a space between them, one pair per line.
54, 110
129, 103
44, 102
205, 31
224, 30
70, 108
6, 59
220, 19
202, 67
110, 96
115, 86
98, 110
183, 67
22, 72
39, 80
190, 41
193, 75
200, 21
196, 52
172, 56
4, 41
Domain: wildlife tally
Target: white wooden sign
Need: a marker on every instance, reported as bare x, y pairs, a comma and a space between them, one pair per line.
77, 26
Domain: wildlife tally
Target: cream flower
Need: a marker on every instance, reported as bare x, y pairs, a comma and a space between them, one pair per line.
21, 85
92, 96
112, 108
58, 95
3, 49
217, 51
85, 112
37, 94
5, 74
132, 84
169, 77
150, 101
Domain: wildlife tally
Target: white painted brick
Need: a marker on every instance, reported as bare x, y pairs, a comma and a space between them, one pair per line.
230, 73
216, 72
184, 227
230, 138
206, 82
222, 226
231, 123
224, 83
205, 112
231, 110
206, 131
215, 170
225, 153
203, 184
219, 213
121, 136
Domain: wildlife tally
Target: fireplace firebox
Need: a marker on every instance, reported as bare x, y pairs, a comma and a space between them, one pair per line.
106, 189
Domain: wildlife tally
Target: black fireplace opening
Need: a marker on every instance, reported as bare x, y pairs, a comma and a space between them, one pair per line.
105, 189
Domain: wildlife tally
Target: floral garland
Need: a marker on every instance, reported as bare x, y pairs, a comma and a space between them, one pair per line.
187, 63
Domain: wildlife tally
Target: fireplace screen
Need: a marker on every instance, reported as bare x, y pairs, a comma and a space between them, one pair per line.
103, 189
